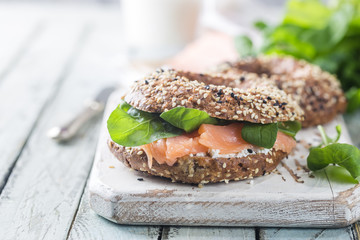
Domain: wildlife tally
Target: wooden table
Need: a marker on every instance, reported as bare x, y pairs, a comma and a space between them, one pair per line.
52, 58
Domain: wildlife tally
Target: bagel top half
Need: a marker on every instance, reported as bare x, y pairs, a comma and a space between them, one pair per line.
318, 92
167, 89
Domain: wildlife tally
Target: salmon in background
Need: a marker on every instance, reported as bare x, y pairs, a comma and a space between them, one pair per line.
204, 53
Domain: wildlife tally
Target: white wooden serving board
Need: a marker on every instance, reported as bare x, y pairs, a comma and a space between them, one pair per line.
314, 200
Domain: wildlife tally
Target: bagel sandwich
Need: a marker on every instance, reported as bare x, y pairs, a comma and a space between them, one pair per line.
317, 92
191, 129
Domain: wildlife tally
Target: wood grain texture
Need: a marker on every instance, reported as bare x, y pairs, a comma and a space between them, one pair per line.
45, 187
308, 234
15, 39
274, 200
25, 90
205, 233
90, 226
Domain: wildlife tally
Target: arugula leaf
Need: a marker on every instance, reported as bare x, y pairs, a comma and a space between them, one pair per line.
331, 152
290, 127
262, 135
188, 119
345, 155
131, 127
326, 140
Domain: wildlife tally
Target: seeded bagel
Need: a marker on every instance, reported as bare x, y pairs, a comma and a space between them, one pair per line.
318, 92
167, 89
201, 170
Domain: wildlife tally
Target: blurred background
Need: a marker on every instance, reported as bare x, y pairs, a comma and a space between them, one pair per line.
192, 34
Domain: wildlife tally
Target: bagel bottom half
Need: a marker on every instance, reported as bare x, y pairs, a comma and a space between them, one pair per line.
201, 170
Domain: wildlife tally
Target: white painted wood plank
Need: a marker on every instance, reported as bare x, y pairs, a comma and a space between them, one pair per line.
16, 36
30, 84
45, 187
90, 226
205, 233
305, 234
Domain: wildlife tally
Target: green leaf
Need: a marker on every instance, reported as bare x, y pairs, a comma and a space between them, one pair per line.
334, 31
326, 140
342, 154
188, 119
131, 127
339, 174
353, 97
260, 25
244, 46
331, 152
290, 127
262, 135
306, 13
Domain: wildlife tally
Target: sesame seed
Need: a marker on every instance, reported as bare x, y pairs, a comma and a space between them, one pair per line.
198, 101
224, 165
140, 152
217, 113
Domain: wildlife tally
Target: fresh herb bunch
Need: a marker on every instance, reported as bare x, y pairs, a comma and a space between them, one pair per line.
328, 36
331, 152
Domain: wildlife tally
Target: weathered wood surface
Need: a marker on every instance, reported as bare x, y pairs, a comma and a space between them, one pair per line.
26, 89
90, 226
204, 233
298, 233
42, 194
274, 200
51, 59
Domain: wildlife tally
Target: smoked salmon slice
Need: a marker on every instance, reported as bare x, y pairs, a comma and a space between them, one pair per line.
168, 150
181, 146
227, 139
284, 142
